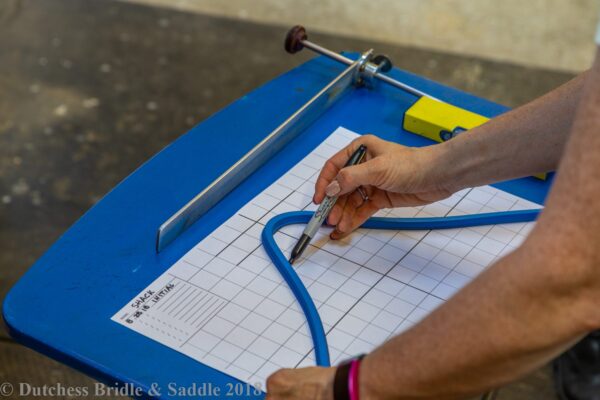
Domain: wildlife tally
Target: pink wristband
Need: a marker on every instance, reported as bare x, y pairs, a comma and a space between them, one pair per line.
353, 379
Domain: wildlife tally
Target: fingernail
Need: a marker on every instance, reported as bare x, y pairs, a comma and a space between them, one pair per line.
332, 189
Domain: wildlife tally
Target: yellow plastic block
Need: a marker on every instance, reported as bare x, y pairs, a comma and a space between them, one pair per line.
441, 121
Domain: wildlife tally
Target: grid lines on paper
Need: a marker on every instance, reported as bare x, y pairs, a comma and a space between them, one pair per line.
367, 287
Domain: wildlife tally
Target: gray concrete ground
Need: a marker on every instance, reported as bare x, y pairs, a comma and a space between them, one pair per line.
91, 89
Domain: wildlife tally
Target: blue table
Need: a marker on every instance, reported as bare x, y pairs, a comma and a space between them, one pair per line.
62, 306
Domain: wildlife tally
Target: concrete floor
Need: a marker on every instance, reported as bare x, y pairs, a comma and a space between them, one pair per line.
89, 90
554, 34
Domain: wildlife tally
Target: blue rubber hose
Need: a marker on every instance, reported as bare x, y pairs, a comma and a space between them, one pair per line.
292, 279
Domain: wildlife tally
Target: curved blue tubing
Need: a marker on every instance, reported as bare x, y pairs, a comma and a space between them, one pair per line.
302, 217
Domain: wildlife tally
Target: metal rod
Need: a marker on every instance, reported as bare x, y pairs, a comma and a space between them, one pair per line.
403, 86
345, 60
326, 52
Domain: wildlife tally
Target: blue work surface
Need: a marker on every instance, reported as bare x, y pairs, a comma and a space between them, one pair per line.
62, 306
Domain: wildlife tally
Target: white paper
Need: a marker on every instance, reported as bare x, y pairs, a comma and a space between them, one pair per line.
224, 303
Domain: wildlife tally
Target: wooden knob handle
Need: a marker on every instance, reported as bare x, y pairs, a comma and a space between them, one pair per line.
294, 38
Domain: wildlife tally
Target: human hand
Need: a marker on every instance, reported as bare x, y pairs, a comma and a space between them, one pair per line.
392, 176
313, 383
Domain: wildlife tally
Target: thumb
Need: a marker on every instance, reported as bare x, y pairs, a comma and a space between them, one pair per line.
349, 178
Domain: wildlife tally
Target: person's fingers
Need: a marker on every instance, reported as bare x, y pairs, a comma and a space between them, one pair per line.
337, 162
278, 383
327, 174
336, 212
344, 224
350, 178
355, 219
363, 213
302, 383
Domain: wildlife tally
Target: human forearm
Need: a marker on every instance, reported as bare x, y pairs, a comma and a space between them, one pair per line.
524, 309
513, 318
519, 313
525, 141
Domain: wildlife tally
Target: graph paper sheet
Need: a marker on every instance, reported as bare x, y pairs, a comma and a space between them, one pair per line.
224, 303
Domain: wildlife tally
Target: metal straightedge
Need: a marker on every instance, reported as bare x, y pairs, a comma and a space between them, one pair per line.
261, 153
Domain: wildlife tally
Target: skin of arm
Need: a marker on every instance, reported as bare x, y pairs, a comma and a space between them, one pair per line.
525, 141
523, 310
